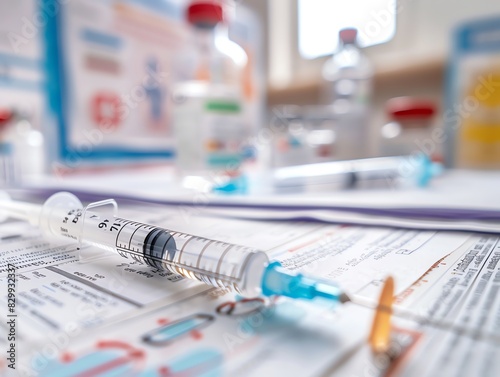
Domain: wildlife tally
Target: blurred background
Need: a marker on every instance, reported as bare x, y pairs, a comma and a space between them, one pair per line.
226, 88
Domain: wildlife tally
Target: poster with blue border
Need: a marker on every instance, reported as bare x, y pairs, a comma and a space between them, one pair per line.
109, 67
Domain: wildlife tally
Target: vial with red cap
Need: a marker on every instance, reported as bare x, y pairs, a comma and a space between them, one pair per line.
347, 77
209, 121
409, 128
22, 147
7, 175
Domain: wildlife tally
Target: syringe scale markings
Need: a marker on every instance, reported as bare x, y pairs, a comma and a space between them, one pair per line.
202, 251
183, 266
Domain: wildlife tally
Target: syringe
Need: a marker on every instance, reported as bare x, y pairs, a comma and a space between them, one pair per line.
245, 270
394, 171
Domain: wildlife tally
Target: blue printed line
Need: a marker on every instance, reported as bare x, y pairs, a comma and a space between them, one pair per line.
468, 37
102, 39
50, 289
8, 82
163, 7
20, 61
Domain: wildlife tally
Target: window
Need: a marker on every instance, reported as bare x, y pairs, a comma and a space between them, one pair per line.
321, 20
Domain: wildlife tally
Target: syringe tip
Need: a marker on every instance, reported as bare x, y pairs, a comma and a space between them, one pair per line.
278, 281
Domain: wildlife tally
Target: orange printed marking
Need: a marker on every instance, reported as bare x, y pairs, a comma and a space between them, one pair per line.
164, 371
293, 249
67, 357
405, 356
197, 335
162, 321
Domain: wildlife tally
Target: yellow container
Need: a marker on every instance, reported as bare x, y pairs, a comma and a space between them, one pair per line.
478, 141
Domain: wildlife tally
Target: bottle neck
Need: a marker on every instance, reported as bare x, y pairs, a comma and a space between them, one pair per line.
204, 37
212, 40
347, 44
220, 60
208, 34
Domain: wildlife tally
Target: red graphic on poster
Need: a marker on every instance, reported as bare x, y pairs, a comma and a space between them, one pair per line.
106, 111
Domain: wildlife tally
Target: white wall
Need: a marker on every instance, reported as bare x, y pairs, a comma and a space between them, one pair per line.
424, 27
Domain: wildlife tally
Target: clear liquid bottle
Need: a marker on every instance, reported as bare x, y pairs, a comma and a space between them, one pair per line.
7, 172
28, 145
348, 87
209, 120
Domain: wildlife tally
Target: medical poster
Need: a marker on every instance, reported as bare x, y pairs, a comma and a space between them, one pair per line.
110, 69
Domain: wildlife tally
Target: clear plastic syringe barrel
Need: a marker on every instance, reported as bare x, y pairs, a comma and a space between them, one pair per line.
213, 262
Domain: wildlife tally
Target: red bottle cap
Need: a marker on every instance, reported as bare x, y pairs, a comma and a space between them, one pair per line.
205, 13
410, 108
5, 116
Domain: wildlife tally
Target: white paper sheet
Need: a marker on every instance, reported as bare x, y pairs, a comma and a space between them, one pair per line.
463, 291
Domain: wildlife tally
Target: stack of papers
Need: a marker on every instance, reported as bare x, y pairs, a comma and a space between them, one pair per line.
460, 200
